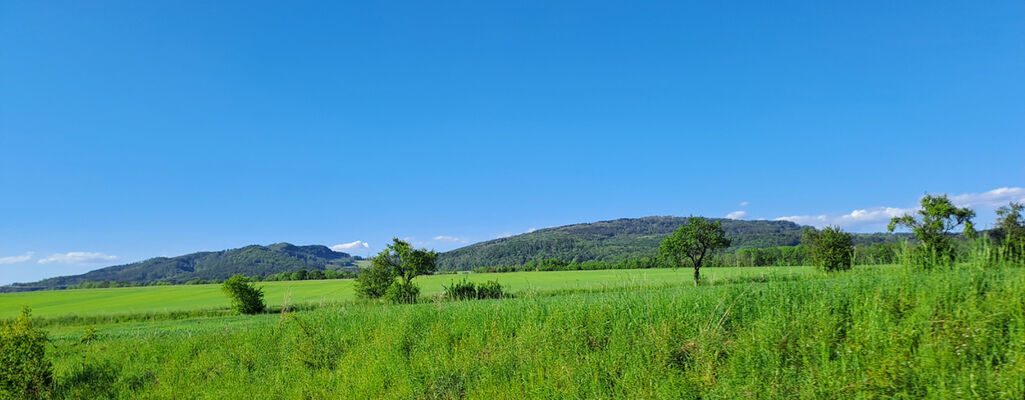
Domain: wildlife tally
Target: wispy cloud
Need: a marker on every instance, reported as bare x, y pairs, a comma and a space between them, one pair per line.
78, 257
739, 214
744, 204
359, 244
450, 239
876, 217
17, 259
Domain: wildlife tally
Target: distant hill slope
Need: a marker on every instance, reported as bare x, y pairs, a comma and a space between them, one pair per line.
249, 260
618, 240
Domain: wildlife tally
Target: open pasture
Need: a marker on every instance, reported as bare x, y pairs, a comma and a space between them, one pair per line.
155, 299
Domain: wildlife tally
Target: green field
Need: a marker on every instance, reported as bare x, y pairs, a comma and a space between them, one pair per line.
157, 299
789, 332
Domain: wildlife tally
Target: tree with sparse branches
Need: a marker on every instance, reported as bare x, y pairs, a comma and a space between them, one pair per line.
933, 223
693, 242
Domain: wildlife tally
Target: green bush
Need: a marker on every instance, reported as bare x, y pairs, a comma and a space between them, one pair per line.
373, 282
490, 290
463, 290
25, 372
245, 298
831, 248
402, 291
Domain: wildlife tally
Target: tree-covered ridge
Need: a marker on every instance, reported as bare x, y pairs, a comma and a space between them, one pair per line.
209, 265
620, 240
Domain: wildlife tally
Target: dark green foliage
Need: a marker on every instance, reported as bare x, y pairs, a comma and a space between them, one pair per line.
612, 244
25, 371
372, 282
693, 242
245, 298
209, 266
490, 290
466, 290
932, 225
876, 253
830, 249
609, 242
1010, 231
392, 271
402, 291
462, 290
769, 257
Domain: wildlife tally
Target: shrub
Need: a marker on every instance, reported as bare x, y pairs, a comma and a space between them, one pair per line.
372, 282
463, 290
245, 298
402, 291
25, 372
831, 248
490, 290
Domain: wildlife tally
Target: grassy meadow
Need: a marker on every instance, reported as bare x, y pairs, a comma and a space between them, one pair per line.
790, 332
184, 298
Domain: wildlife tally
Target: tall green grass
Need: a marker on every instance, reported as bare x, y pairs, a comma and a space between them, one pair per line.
957, 332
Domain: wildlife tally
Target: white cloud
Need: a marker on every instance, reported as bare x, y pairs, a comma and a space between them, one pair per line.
740, 214
17, 259
991, 199
359, 244
744, 204
877, 217
78, 257
451, 239
854, 219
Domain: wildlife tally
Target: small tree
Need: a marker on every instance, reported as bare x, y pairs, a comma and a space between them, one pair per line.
695, 241
398, 260
1010, 230
932, 226
831, 248
25, 372
245, 298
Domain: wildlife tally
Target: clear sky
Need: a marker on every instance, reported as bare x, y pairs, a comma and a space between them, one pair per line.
144, 128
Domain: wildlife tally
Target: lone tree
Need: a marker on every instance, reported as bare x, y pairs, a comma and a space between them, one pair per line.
392, 271
245, 298
694, 241
831, 248
933, 223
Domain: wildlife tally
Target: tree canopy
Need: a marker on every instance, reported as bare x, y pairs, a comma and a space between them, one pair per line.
932, 224
397, 261
694, 241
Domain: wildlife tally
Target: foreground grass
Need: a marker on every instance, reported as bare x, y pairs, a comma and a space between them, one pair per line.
197, 299
864, 334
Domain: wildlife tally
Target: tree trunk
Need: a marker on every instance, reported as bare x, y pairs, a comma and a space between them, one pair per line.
697, 274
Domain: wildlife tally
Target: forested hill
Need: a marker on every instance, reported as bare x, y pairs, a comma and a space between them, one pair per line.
617, 240
249, 260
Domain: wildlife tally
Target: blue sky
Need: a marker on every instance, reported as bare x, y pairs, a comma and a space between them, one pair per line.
136, 129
